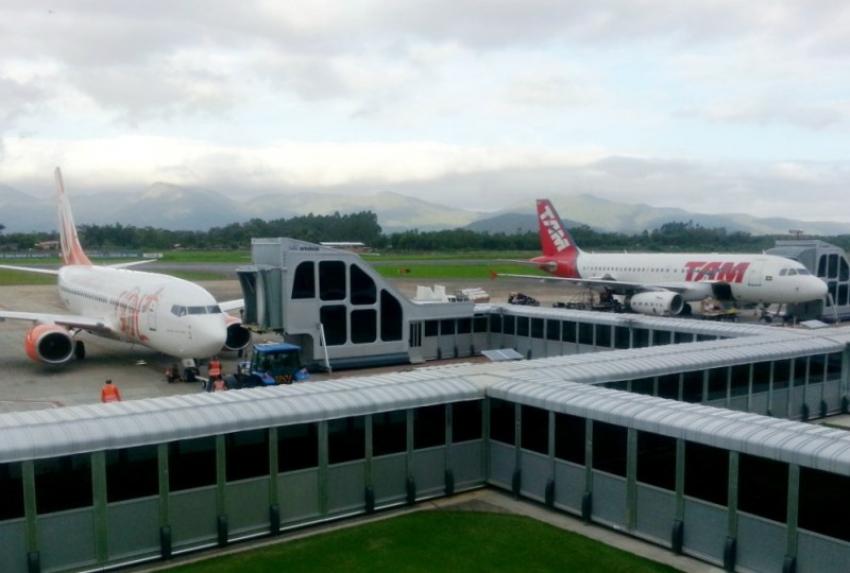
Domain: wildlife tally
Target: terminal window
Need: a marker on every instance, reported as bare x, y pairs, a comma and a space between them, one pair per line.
363, 289
11, 484
740, 385
800, 369
304, 282
191, 463
553, 330
464, 325
132, 473
622, 338
429, 426
466, 421
603, 335
718, 380
247, 454
824, 499
63, 483
522, 326
668, 386
297, 447
692, 386
661, 337
332, 280
569, 331
585, 333
640, 338
346, 440
432, 328
535, 429
569, 438
781, 374
389, 433
502, 421
495, 323
537, 328
509, 324
644, 386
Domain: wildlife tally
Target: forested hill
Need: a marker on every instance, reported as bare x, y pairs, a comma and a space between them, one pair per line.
363, 226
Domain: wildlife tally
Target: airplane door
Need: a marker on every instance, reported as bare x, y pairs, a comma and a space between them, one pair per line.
151, 315
756, 274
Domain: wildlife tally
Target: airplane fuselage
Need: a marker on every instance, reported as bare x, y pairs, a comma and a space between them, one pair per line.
167, 314
751, 278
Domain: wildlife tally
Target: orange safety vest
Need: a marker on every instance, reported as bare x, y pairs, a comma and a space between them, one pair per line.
214, 369
110, 393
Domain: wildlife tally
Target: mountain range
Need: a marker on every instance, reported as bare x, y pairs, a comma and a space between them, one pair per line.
170, 206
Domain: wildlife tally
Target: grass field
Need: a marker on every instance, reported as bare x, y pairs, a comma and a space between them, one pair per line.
430, 541
18, 278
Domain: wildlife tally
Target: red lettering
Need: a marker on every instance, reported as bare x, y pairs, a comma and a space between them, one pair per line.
690, 267
732, 273
708, 271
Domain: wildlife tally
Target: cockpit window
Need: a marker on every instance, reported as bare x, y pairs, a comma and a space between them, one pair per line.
792, 272
178, 310
803, 271
214, 309
197, 310
783, 272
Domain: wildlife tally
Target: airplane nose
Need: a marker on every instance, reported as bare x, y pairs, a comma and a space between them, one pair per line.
208, 338
817, 287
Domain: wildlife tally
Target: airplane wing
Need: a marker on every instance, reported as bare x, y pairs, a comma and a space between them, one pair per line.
616, 287
229, 305
130, 264
30, 269
69, 320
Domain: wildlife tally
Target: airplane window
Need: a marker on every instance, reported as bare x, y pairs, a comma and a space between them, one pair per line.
803, 272
197, 310
783, 272
214, 309
178, 310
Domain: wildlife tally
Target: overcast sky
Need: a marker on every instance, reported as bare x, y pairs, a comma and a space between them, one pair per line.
713, 106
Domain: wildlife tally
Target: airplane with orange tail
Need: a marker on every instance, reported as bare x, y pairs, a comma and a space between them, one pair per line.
662, 283
167, 314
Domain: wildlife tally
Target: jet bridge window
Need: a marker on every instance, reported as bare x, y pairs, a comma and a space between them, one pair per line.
364, 326
432, 328
63, 483
568, 331
603, 335
643, 386
391, 317
11, 484
333, 319
553, 330
569, 438
824, 499
740, 380
346, 440
668, 386
304, 282
389, 433
817, 367
822, 266
833, 366
609, 448
761, 377
833, 266
332, 280
656, 459
800, 368
466, 421
585, 333
509, 324
692, 386
537, 328
522, 326
247, 454
191, 463
496, 323
843, 269
622, 339
535, 429
363, 289
429, 426
763, 487
640, 337
781, 374
132, 473
297, 447
502, 421
706, 473
718, 379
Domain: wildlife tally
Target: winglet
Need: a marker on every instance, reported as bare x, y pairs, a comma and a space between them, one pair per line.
72, 251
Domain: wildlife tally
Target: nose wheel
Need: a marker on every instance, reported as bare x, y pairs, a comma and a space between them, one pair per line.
79, 349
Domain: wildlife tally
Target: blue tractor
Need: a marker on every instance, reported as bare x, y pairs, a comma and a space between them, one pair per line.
271, 363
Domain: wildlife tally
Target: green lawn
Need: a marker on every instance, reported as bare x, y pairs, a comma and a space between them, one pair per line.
11, 278
429, 541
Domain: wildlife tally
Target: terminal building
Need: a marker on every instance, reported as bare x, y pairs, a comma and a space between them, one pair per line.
690, 435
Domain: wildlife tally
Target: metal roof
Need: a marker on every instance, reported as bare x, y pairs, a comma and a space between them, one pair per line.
792, 442
62, 431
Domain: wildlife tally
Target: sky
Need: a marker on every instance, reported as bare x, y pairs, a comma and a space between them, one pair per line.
713, 106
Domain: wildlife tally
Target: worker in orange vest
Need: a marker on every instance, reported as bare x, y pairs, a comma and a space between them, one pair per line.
214, 368
110, 393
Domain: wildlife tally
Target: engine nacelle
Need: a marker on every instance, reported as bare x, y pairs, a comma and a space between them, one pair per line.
49, 343
238, 337
661, 303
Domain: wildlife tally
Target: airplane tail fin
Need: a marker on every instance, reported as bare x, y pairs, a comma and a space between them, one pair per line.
555, 240
72, 251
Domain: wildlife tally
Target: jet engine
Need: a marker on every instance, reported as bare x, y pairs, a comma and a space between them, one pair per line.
238, 337
49, 343
657, 303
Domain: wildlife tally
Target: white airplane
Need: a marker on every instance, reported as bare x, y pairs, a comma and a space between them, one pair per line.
167, 314
661, 283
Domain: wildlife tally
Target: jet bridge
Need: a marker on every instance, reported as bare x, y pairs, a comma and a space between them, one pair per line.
335, 306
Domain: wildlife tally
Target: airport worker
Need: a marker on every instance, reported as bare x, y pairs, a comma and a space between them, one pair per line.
218, 385
110, 392
214, 368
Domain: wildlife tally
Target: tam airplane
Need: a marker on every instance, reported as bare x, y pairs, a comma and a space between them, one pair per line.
661, 283
167, 314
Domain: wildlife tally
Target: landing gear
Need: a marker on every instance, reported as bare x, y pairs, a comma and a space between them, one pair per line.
79, 350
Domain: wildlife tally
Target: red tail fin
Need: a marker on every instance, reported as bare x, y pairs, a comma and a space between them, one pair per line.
555, 240
72, 251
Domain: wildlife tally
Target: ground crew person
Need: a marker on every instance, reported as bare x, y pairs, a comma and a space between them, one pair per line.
110, 393
214, 368
219, 385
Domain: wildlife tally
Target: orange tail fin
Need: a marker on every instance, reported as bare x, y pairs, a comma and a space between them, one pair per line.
72, 251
